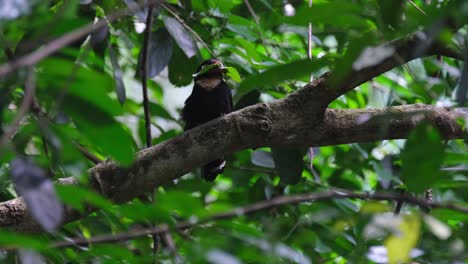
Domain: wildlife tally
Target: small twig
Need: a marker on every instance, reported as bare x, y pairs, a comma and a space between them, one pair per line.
181, 21
170, 244
417, 7
58, 43
30, 87
259, 206
90, 156
257, 21
144, 74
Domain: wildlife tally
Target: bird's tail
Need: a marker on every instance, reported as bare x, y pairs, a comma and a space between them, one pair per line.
212, 169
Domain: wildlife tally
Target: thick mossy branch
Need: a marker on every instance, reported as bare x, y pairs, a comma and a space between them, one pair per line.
254, 126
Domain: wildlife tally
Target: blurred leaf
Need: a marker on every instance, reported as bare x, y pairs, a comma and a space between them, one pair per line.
289, 164
400, 244
141, 14
12, 9
38, 192
118, 74
242, 27
183, 203
146, 212
98, 40
160, 52
391, 11
159, 111
62, 76
422, 158
13, 239
232, 73
31, 257
262, 158
325, 13
224, 6
276, 74
216, 256
78, 197
181, 68
113, 252
101, 129
181, 36
438, 228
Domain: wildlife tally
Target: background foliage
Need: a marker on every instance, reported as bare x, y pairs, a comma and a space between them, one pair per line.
89, 94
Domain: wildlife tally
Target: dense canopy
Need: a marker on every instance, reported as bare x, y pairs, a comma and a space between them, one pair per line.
345, 109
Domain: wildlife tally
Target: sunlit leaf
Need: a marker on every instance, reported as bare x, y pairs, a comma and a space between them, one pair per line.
232, 73
400, 244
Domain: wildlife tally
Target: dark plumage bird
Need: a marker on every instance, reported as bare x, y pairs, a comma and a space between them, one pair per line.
210, 99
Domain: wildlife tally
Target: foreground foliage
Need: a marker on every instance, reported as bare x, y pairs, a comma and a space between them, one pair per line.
88, 96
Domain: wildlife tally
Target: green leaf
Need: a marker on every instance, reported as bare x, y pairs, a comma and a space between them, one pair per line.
78, 197
400, 244
11, 239
232, 73
145, 212
289, 164
391, 11
61, 76
183, 203
101, 129
181, 36
243, 27
326, 13
181, 68
160, 52
276, 74
422, 158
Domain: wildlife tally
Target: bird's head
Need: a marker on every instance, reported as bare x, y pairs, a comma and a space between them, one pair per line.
211, 68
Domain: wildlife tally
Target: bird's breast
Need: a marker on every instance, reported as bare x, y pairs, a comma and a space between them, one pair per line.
208, 84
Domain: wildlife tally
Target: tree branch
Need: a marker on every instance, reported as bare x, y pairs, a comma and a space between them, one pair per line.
301, 119
259, 206
58, 43
416, 45
256, 126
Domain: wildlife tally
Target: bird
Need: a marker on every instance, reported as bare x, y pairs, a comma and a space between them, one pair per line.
210, 98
